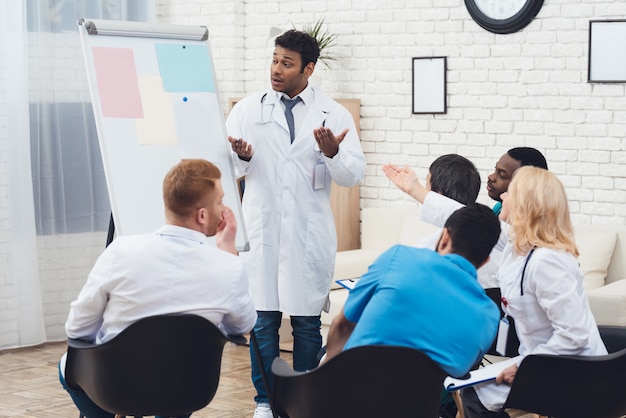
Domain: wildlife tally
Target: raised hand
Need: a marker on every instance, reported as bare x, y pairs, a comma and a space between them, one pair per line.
406, 180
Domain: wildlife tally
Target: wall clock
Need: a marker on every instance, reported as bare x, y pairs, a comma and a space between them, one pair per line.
503, 16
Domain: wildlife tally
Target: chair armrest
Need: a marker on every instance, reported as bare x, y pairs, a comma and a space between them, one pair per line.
80, 343
282, 368
237, 339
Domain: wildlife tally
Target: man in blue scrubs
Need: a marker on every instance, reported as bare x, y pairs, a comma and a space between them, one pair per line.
427, 300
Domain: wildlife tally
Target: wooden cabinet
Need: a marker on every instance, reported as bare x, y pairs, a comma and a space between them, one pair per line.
344, 201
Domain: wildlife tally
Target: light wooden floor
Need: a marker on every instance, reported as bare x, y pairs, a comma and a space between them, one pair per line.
30, 388
29, 385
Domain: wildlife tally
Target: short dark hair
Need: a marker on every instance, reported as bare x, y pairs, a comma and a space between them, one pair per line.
474, 230
456, 177
528, 156
302, 43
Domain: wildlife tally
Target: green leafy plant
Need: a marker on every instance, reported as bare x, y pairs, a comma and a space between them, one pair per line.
325, 40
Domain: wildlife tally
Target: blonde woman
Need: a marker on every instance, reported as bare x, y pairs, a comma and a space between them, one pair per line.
541, 283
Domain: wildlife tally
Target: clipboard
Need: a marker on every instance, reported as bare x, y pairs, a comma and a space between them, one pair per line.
483, 374
348, 283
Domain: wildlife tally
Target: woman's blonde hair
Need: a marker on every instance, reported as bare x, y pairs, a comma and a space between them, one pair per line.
538, 212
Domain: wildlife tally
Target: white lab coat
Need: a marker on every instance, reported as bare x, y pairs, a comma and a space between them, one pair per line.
289, 224
551, 317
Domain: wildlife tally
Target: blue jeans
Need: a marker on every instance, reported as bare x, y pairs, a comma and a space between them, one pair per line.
307, 342
86, 406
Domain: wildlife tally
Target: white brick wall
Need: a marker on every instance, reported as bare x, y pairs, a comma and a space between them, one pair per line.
527, 88
523, 89
64, 263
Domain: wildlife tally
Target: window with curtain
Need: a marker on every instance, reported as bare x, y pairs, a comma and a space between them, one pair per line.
69, 187
61, 15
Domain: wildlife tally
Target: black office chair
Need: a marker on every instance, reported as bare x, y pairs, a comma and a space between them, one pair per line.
574, 386
368, 381
160, 365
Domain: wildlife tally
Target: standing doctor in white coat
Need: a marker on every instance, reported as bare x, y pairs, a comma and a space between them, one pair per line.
286, 202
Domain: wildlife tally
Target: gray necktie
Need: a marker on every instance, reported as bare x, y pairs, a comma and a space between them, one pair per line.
289, 104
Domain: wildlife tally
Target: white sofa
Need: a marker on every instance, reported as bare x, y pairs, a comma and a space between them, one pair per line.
602, 259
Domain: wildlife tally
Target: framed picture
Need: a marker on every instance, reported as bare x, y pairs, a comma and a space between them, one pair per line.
607, 51
429, 85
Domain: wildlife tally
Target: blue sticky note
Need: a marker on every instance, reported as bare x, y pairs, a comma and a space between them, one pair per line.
185, 68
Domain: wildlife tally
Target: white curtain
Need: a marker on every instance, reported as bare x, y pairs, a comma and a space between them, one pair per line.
24, 323
51, 174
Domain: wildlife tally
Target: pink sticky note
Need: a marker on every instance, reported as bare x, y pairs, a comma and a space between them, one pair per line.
117, 82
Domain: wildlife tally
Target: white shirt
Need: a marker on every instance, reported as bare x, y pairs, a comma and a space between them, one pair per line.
437, 208
173, 270
486, 274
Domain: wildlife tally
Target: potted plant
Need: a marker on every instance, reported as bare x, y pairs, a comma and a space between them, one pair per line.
325, 40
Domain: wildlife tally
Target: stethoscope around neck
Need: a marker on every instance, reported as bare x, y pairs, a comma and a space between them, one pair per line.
266, 111
265, 116
521, 284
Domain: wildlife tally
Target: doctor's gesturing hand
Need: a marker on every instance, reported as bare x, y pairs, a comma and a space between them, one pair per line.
327, 141
241, 148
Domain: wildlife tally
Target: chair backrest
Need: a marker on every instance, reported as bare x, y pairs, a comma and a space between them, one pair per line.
571, 386
373, 381
160, 365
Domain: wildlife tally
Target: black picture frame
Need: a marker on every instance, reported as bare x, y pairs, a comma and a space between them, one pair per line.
429, 81
607, 51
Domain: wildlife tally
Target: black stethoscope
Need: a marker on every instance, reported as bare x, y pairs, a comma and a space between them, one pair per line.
521, 284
